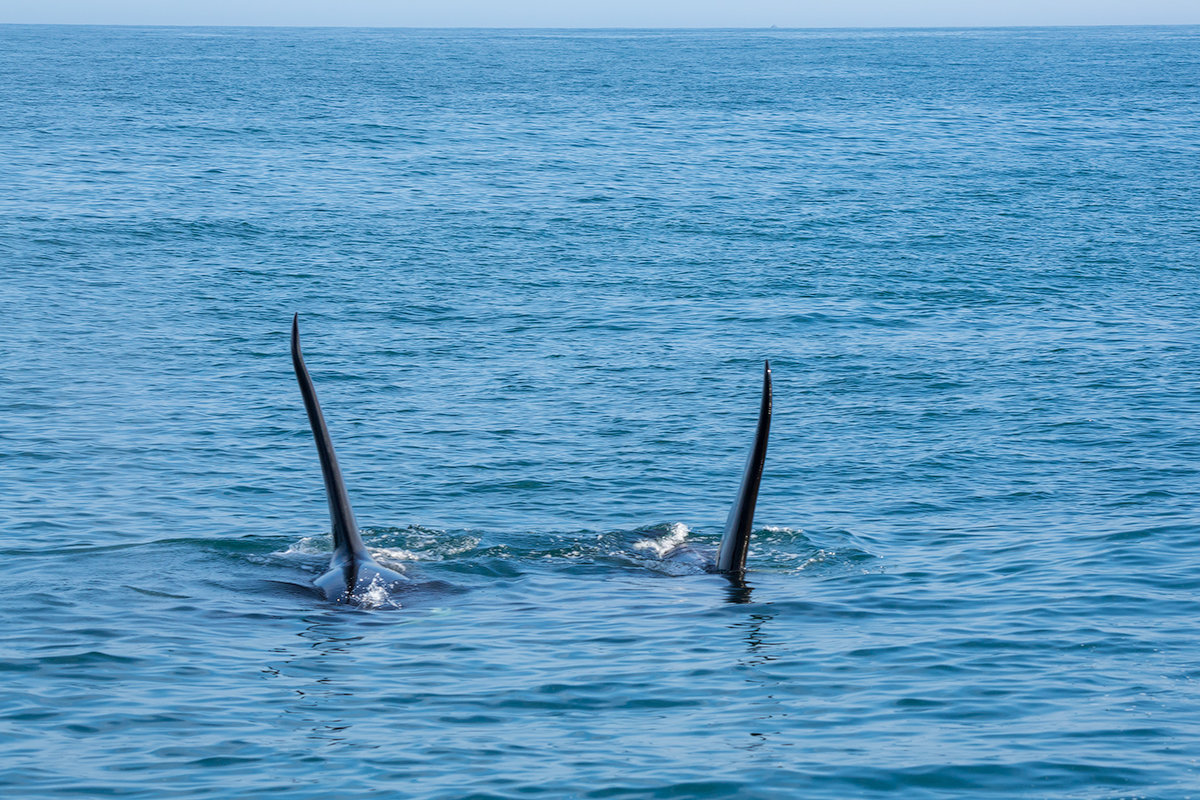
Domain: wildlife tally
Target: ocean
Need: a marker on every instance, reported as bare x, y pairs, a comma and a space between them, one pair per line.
538, 273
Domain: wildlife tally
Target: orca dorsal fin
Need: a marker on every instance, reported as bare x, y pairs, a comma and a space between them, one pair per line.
731, 558
347, 543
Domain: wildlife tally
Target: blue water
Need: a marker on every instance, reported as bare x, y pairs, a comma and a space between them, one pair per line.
537, 275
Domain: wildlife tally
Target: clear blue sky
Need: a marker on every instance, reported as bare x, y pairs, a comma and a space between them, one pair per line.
605, 13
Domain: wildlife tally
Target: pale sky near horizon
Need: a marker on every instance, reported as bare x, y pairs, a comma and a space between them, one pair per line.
604, 13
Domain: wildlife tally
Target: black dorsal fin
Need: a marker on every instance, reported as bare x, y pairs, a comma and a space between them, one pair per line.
731, 558
347, 543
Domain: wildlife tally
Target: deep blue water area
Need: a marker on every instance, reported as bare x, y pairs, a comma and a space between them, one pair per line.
538, 273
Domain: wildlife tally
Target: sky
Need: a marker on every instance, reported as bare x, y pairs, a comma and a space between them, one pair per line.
605, 13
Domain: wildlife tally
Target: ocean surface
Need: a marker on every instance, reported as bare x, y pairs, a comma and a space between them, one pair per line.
537, 275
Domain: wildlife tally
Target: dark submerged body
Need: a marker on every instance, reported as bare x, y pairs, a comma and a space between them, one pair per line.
353, 572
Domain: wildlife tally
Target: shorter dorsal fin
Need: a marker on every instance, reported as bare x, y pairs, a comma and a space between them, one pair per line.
731, 558
347, 543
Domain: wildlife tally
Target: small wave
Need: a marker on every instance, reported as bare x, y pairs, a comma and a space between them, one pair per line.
416, 543
398, 544
308, 546
394, 554
820, 557
675, 536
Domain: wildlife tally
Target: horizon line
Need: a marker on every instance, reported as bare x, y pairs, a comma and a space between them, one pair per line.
604, 27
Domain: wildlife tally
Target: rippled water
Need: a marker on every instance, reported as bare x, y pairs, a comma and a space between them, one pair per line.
537, 274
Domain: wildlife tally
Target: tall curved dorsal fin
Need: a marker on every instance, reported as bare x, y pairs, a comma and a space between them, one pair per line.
731, 558
347, 543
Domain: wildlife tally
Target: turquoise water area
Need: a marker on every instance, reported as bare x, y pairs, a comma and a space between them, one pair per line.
538, 272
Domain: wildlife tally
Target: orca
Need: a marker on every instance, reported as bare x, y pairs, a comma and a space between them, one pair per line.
730, 557
353, 573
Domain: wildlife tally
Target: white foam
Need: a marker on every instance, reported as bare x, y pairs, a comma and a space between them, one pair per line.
820, 557
308, 546
428, 547
376, 595
395, 554
676, 533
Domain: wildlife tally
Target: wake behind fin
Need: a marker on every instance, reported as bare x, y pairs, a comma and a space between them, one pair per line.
348, 545
731, 558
